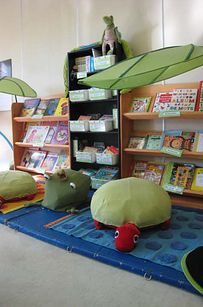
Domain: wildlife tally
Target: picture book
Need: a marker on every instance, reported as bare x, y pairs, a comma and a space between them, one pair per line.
197, 183
198, 142
199, 104
50, 134
36, 135
154, 172
41, 108
25, 160
52, 105
175, 176
173, 139
37, 159
61, 135
176, 100
189, 138
63, 160
154, 142
140, 104
50, 162
137, 142
138, 169
62, 107
29, 107
106, 173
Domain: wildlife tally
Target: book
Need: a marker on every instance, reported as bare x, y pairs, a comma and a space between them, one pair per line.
61, 135
176, 100
29, 107
154, 172
138, 169
137, 142
140, 104
173, 139
41, 108
154, 142
198, 142
50, 162
50, 134
52, 105
62, 107
63, 160
36, 134
37, 159
197, 183
181, 176
170, 174
199, 104
25, 160
106, 173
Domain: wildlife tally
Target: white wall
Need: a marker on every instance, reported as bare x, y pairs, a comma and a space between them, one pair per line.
37, 34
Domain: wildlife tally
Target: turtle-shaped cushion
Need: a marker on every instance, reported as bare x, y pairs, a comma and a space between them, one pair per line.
130, 204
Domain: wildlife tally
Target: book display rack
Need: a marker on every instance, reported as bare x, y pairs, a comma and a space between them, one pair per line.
184, 148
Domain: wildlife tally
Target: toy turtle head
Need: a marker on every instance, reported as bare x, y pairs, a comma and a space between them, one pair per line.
108, 20
126, 237
65, 189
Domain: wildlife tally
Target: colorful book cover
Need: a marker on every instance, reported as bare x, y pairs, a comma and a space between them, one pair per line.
138, 169
37, 159
140, 104
62, 107
173, 139
41, 108
154, 172
137, 142
181, 176
52, 105
29, 107
50, 162
50, 134
199, 104
189, 138
198, 143
154, 142
25, 160
36, 135
197, 183
63, 160
61, 135
107, 173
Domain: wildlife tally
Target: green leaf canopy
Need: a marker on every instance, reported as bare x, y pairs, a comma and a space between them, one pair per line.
148, 68
17, 87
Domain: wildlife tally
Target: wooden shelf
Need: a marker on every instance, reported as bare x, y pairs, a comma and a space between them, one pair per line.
20, 144
44, 118
30, 170
158, 153
129, 128
153, 115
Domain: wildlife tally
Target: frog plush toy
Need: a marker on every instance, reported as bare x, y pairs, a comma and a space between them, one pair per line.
66, 189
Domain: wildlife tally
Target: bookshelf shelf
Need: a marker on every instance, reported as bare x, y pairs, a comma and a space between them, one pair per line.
130, 122
18, 128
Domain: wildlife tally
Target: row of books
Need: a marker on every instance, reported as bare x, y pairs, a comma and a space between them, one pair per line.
186, 100
175, 139
44, 160
46, 133
37, 107
185, 175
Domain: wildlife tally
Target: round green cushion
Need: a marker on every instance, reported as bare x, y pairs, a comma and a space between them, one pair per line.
131, 200
16, 184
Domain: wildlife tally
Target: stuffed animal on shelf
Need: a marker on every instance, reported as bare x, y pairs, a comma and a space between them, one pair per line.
111, 36
66, 189
16, 185
128, 205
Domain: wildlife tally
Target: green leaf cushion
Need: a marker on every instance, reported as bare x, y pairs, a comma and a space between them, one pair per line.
16, 185
131, 200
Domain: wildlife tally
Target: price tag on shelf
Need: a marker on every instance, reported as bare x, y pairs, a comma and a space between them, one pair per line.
172, 188
37, 116
81, 74
169, 114
172, 151
38, 145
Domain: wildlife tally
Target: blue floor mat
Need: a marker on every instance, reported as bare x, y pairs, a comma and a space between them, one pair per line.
165, 247
31, 221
